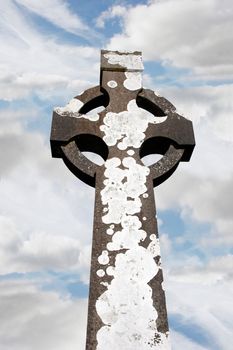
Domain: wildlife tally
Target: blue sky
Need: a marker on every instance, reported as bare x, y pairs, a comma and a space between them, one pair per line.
50, 53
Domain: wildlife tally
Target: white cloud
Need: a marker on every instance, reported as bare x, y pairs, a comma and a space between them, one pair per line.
32, 62
166, 243
186, 268
112, 12
202, 188
41, 223
209, 107
203, 200
32, 318
222, 264
196, 35
206, 306
27, 313
180, 341
58, 13
35, 319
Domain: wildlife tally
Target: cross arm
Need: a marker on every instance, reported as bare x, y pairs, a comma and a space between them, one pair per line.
173, 138
176, 129
74, 131
66, 129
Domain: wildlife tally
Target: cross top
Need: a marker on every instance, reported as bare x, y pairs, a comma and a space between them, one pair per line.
120, 91
126, 302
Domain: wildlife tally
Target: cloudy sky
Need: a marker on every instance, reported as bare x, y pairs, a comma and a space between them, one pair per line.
49, 53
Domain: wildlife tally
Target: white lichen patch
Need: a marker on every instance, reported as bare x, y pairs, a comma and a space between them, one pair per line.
100, 273
123, 188
72, 107
118, 128
105, 284
154, 246
133, 81
103, 259
93, 115
129, 60
72, 110
130, 236
110, 270
110, 231
126, 308
130, 152
112, 84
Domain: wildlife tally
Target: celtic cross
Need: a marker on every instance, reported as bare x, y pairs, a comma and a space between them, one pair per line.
127, 309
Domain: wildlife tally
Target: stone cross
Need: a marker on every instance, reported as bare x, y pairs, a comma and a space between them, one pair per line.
127, 309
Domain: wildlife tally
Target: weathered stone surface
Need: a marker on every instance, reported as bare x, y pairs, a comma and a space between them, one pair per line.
127, 307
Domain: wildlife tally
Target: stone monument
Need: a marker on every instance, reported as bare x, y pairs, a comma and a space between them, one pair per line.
127, 309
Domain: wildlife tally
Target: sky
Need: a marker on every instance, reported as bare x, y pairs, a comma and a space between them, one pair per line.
50, 52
